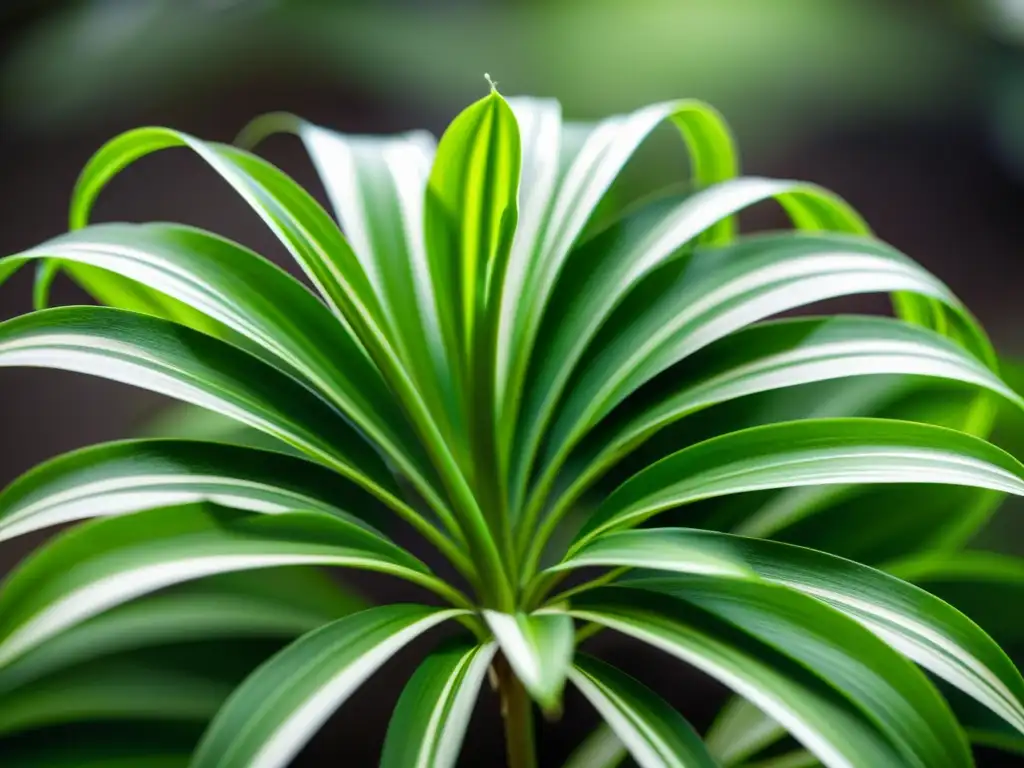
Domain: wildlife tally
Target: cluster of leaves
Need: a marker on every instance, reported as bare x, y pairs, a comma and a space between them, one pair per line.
523, 385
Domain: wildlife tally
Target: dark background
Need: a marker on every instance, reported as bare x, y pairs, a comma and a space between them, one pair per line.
913, 111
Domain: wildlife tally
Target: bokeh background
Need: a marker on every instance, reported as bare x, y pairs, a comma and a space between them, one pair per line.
912, 110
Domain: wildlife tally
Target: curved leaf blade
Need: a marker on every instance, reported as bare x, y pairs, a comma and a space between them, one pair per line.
376, 187
187, 365
274, 712
297, 220
919, 625
125, 477
588, 166
721, 291
433, 713
655, 734
886, 687
310, 235
108, 562
807, 453
600, 274
267, 310
817, 716
210, 609
777, 355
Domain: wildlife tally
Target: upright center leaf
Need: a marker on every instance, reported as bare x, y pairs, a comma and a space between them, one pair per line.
471, 213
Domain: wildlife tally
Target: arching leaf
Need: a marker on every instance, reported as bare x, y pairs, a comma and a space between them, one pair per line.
811, 452
912, 621
433, 713
655, 734
817, 715
108, 562
274, 712
124, 477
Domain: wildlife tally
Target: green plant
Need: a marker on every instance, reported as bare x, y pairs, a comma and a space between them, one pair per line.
525, 386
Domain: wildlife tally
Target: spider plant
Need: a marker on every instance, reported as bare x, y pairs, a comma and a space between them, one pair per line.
529, 388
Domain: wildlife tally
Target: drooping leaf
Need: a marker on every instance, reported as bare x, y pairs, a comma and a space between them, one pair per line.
601, 274
264, 307
210, 609
884, 685
777, 355
813, 712
268, 719
981, 584
120, 478
721, 291
912, 621
107, 562
187, 365
317, 244
539, 649
289, 211
433, 713
655, 734
811, 452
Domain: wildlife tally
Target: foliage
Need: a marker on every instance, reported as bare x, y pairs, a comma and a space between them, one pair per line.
530, 389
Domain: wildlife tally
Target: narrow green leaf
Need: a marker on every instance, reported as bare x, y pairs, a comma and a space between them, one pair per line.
854, 521
470, 215
208, 609
268, 311
290, 212
376, 187
721, 291
979, 583
655, 734
813, 712
187, 365
107, 562
777, 355
124, 477
433, 713
811, 452
601, 749
268, 719
318, 245
600, 274
471, 212
885, 686
912, 621
539, 649
588, 161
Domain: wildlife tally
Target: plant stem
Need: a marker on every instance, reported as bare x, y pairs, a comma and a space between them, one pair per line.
517, 712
